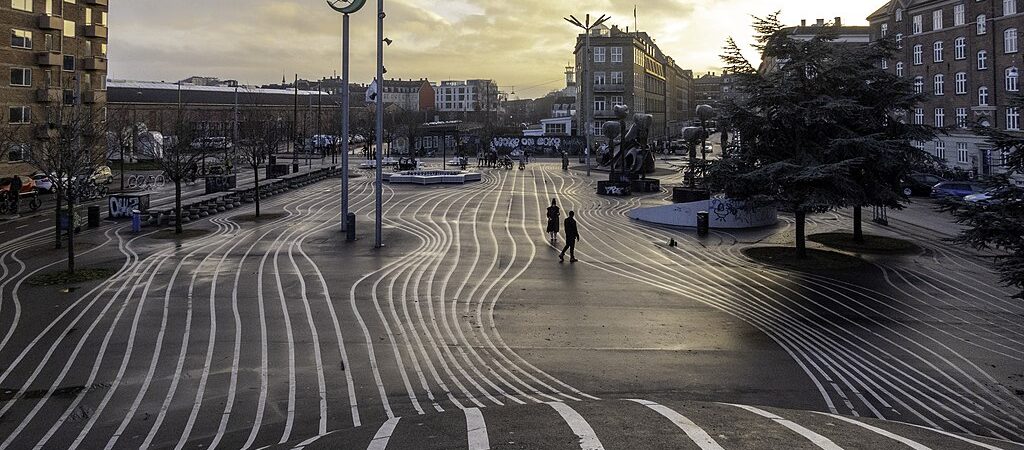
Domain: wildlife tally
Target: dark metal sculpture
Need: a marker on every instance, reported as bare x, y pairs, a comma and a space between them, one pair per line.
628, 154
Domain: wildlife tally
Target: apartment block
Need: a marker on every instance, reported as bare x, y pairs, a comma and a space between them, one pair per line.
966, 56
467, 96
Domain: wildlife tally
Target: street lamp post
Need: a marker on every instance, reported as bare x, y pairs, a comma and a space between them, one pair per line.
587, 27
378, 183
345, 7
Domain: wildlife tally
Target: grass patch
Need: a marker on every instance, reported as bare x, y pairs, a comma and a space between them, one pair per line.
815, 261
63, 278
264, 217
187, 233
872, 244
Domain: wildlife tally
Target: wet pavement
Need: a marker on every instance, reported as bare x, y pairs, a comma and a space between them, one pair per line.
278, 331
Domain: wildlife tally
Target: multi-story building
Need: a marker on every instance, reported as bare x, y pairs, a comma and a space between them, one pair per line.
57, 54
708, 89
410, 95
467, 96
628, 68
965, 55
679, 108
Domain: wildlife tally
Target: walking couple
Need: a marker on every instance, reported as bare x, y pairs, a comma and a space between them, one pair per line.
572, 233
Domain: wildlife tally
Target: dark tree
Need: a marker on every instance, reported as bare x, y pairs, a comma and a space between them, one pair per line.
179, 158
818, 126
262, 134
998, 223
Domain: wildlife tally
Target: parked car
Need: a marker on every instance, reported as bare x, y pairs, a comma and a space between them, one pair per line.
43, 183
212, 143
920, 184
28, 185
102, 175
989, 197
958, 189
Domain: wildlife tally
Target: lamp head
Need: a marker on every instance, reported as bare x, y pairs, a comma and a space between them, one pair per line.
346, 6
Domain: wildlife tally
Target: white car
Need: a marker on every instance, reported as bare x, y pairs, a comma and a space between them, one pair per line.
43, 183
368, 164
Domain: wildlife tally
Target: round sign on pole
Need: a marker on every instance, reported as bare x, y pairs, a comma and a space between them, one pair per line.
346, 6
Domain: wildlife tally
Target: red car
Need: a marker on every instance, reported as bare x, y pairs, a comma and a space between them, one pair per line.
28, 185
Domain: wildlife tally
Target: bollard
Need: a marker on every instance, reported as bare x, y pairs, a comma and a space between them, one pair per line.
94, 216
702, 223
350, 227
136, 221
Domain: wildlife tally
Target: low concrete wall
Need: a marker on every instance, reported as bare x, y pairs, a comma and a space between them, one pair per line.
723, 214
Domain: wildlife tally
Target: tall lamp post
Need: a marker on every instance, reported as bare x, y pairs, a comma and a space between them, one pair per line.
345, 7
588, 84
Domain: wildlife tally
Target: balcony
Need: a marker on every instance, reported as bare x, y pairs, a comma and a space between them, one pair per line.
609, 87
48, 22
94, 97
94, 63
96, 31
96, 2
604, 113
49, 59
48, 95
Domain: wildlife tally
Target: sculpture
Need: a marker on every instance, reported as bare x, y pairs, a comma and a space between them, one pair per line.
629, 154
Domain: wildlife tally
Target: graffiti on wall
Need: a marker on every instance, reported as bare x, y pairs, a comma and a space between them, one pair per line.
572, 145
121, 206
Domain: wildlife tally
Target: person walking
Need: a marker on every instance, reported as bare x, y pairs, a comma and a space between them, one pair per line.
554, 214
565, 161
572, 234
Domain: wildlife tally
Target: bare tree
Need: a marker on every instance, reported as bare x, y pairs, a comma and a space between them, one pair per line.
69, 146
179, 159
262, 134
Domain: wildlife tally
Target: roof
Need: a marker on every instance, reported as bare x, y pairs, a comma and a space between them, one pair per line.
147, 92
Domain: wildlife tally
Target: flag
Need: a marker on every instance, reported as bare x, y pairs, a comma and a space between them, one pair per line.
371, 92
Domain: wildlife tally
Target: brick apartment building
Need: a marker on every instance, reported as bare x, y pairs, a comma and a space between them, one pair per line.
410, 95
966, 55
57, 54
628, 68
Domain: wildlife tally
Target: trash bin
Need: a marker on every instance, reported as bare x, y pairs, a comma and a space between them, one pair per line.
136, 221
94, 216
350, 227
702, 223
295, 167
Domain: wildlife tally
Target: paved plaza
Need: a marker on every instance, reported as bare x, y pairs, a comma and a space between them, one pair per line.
465, 329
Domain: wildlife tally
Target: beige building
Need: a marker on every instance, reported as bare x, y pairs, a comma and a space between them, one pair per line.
56, 54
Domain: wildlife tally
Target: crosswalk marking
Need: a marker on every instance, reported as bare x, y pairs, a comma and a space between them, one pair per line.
579, 425
380, 440
817, 439
912, 444
695, 432
476, 430
956, 436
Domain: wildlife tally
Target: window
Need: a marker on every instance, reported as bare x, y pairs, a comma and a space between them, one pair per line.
22, 5
88, 16
21, 77
20, 114
937, 20
960, 48
918, 116
961, 117
617, 100
600, 104
599, 54
616, 54
884, 29
918, 52
918, 24
899, 69
1010, 40
69, 28
899, 40
962, 155
21, 39
961, 83
599, 79
617, 78
69, 96
940, 84
899, 15
1011, 79
983, 96
958, 15
940, 117
940, 149
982, 24
918, 85
937, 54
982, 60
69, 63
1013, 119
1009, 7
885, 64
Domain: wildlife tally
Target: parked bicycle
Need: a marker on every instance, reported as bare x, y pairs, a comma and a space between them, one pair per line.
10, 206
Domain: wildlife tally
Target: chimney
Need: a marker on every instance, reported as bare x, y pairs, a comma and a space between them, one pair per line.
821, 22
839, 21
803, 22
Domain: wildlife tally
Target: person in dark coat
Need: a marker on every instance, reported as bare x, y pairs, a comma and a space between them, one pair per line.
565, 161
554, 214
572, 234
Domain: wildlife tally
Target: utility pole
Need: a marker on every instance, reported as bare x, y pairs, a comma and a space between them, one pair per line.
348, 8
587, 28
295, 122
378, 184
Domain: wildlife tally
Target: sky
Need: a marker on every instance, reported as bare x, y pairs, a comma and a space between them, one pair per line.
524, 45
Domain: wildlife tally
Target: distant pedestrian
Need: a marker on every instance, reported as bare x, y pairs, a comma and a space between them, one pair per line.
554, 214
572, 234
565, 161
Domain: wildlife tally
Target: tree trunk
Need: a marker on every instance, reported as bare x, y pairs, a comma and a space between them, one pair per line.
256, 181
858, 230
177, 207
57, 211
801, 243
71, 234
